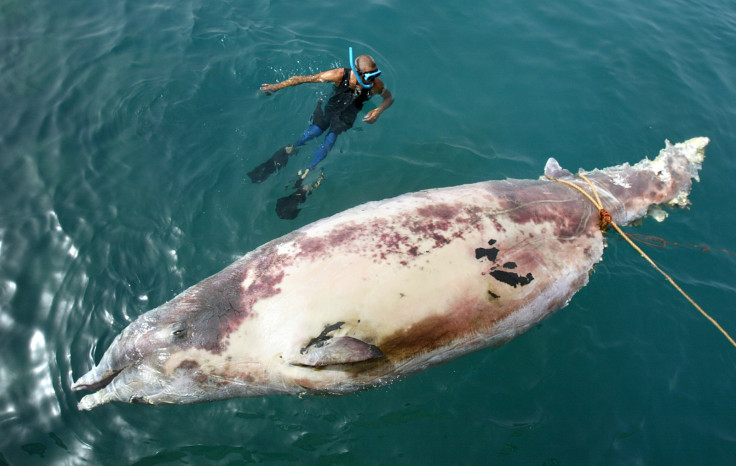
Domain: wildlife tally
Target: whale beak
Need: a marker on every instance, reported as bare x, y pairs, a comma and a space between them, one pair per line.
132, 368
131, 385
118, 368
98, 379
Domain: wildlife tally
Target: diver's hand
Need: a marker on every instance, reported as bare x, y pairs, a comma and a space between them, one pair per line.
268, 89
372, 116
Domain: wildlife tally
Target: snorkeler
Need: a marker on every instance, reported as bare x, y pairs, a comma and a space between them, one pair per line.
353, 87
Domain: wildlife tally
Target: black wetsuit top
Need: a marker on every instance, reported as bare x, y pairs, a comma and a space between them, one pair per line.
343, 106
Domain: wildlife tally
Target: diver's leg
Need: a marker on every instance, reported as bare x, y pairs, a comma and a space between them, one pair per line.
323, 149
319, 124
312, 132
339, 122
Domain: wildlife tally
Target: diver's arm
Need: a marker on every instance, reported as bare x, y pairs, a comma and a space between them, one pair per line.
388, 100
333, 76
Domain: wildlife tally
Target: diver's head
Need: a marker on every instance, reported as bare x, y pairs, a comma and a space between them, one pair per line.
365, 69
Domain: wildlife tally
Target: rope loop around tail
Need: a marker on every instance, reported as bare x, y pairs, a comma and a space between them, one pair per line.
606, 219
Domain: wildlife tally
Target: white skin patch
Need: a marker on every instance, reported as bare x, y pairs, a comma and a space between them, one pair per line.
376, 298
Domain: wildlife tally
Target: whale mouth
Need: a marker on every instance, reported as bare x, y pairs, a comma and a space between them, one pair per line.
83, 384
105, 384
118, 368
143, 383
131, 384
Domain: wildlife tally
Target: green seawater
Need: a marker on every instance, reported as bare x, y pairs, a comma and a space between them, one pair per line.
126, 132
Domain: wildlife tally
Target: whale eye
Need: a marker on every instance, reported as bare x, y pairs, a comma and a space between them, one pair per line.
179, 331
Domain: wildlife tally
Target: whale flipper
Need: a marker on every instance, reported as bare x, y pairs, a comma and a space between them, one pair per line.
337, 350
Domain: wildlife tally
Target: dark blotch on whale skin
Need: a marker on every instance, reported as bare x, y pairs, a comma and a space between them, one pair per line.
511, 278
489, 254
324, 336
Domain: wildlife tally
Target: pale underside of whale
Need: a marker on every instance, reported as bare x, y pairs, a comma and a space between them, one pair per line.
385, 289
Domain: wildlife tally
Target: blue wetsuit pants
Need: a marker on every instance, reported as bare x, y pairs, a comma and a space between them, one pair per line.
339, 115
312, 132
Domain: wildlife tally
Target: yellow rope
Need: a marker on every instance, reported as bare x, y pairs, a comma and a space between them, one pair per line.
597, 203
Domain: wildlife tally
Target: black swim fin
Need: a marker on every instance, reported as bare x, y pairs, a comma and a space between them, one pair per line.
287, 207
277, 161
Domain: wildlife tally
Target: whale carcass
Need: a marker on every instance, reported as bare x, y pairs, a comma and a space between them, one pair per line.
385, 289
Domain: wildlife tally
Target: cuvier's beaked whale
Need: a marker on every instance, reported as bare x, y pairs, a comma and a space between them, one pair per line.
383, 290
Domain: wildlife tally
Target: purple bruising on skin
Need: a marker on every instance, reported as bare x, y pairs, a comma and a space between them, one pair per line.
637, 189
404, 236
221, 303
558, 206
317, 246
631, 189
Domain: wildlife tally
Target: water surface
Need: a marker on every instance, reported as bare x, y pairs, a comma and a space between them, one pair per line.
127, 131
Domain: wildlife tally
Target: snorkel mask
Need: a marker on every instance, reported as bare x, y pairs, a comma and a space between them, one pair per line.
369, 77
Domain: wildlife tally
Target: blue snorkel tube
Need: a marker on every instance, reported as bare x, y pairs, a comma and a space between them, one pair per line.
373, 75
